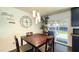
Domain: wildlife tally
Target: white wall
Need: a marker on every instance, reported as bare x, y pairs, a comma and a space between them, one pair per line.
7, 31
63, 17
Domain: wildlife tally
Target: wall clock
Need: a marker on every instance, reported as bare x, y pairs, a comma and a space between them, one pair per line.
25, 21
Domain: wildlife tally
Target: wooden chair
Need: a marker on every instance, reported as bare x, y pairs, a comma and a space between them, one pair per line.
21, 48
45, 33
29, 33
51, 42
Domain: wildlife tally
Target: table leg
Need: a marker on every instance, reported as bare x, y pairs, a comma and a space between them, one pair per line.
53, 44
46, 47
36, 49
33, 49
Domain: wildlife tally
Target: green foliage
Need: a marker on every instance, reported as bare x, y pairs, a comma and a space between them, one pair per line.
44, 23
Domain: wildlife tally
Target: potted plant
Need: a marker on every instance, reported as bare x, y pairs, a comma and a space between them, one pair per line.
44, 23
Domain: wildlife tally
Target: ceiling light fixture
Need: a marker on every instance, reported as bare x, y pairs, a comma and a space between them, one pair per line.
36, 16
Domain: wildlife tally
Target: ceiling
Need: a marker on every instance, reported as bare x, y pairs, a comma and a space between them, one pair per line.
44, 10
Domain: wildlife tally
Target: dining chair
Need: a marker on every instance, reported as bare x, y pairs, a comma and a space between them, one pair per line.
51, 42
50, 46
22, 48
29, 33
45, 33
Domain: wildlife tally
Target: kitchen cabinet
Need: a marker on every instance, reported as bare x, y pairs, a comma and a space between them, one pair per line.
75, 17
75, 43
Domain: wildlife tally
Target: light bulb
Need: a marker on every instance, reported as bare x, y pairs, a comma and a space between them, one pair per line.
36, 20
38, 17
34, 13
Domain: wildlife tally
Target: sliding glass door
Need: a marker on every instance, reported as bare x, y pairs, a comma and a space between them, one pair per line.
60, 31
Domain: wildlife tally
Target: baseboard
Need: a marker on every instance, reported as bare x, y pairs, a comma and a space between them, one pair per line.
14, 50
63, 44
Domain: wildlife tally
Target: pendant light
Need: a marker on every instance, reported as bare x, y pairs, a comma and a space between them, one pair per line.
36, 16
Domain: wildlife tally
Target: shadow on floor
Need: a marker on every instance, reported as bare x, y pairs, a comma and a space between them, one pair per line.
57, 48
62, 48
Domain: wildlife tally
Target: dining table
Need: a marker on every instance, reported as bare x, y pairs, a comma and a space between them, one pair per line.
37, 40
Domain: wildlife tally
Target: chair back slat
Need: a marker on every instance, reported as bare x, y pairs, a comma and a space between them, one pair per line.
17, 44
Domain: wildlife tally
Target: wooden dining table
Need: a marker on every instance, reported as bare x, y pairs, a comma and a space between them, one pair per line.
37, 40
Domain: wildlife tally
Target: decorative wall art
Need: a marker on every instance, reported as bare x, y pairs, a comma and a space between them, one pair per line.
9, 17
25, 21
